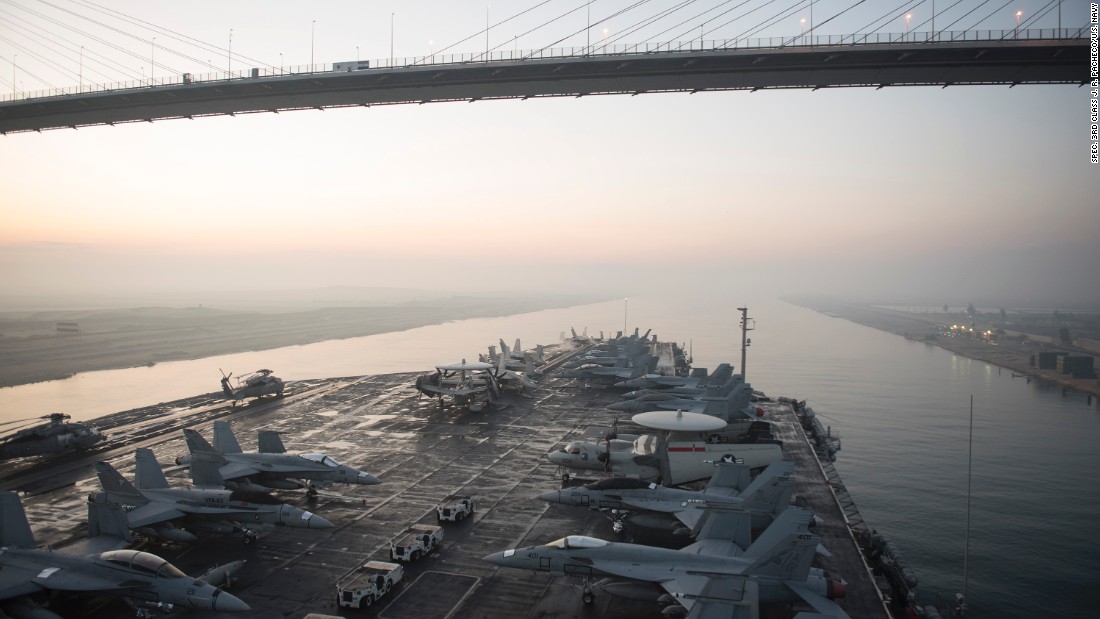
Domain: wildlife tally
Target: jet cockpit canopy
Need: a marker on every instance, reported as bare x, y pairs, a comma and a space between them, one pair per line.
577, 541
142, 562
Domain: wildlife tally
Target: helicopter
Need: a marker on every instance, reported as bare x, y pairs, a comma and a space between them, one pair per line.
54, 437
254, 385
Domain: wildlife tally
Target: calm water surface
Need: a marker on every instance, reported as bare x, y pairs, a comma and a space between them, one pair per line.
901, 408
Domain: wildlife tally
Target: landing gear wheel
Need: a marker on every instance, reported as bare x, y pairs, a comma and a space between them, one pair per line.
565, 476
588, 597
249, 538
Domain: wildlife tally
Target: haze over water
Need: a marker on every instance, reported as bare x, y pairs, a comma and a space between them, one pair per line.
900, 407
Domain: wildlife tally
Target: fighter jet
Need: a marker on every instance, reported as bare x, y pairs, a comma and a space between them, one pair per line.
583, 339
254, 385
641, 364
145, 579
271, 467
517, 353
721, 401
698, 379
49, 438
729, 488
159, 511
710, 578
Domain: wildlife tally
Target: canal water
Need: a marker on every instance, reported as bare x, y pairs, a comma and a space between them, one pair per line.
901, 408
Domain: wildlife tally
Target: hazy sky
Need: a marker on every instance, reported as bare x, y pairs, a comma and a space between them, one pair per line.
901, 192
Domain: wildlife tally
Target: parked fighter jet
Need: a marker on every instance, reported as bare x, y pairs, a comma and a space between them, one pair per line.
145, 579
518, 354
271, 467
254, 385
49, 438
729, 488
697, 379
159, 511
726, 401
639, 366
583, 339
711, 578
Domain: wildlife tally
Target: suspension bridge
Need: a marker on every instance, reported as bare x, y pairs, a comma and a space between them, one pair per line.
867, 60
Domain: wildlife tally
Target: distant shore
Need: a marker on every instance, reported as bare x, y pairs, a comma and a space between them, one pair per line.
921, 327
32, 350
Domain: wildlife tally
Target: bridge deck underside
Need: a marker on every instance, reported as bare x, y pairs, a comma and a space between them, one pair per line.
943, 64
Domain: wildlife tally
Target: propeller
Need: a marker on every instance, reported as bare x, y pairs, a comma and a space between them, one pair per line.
606, 455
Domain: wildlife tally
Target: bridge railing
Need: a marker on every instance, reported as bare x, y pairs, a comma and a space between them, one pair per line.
614, 49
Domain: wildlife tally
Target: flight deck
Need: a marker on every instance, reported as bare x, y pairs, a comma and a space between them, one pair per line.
423, 453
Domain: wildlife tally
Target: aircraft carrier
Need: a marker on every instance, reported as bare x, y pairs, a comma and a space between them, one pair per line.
423, 453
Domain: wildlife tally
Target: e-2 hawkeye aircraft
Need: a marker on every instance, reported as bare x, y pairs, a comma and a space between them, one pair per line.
97, 566
682, 450
469, 385
270, 467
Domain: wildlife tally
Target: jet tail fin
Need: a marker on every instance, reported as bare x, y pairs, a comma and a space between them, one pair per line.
224, 439
729, 476
269, 442
196, 443
113, 481
148, 475
725, 525
205, 470
771, 490
641, 365
785, 549
15, 531
108, 520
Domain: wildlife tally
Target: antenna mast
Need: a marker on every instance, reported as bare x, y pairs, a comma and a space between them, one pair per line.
961, 601
745, 342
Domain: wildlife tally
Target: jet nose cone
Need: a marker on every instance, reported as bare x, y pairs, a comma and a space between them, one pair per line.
500, 558
555, 457
313, 521
229, 603
368, 480
621, 406
554, 496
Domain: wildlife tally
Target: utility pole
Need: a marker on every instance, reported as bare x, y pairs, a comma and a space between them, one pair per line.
152, 53
391, 40
81, 68
487, 32
745, 341
230, 55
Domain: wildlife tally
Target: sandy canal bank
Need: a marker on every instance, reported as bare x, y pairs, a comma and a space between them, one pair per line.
32, 349
1010, 354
